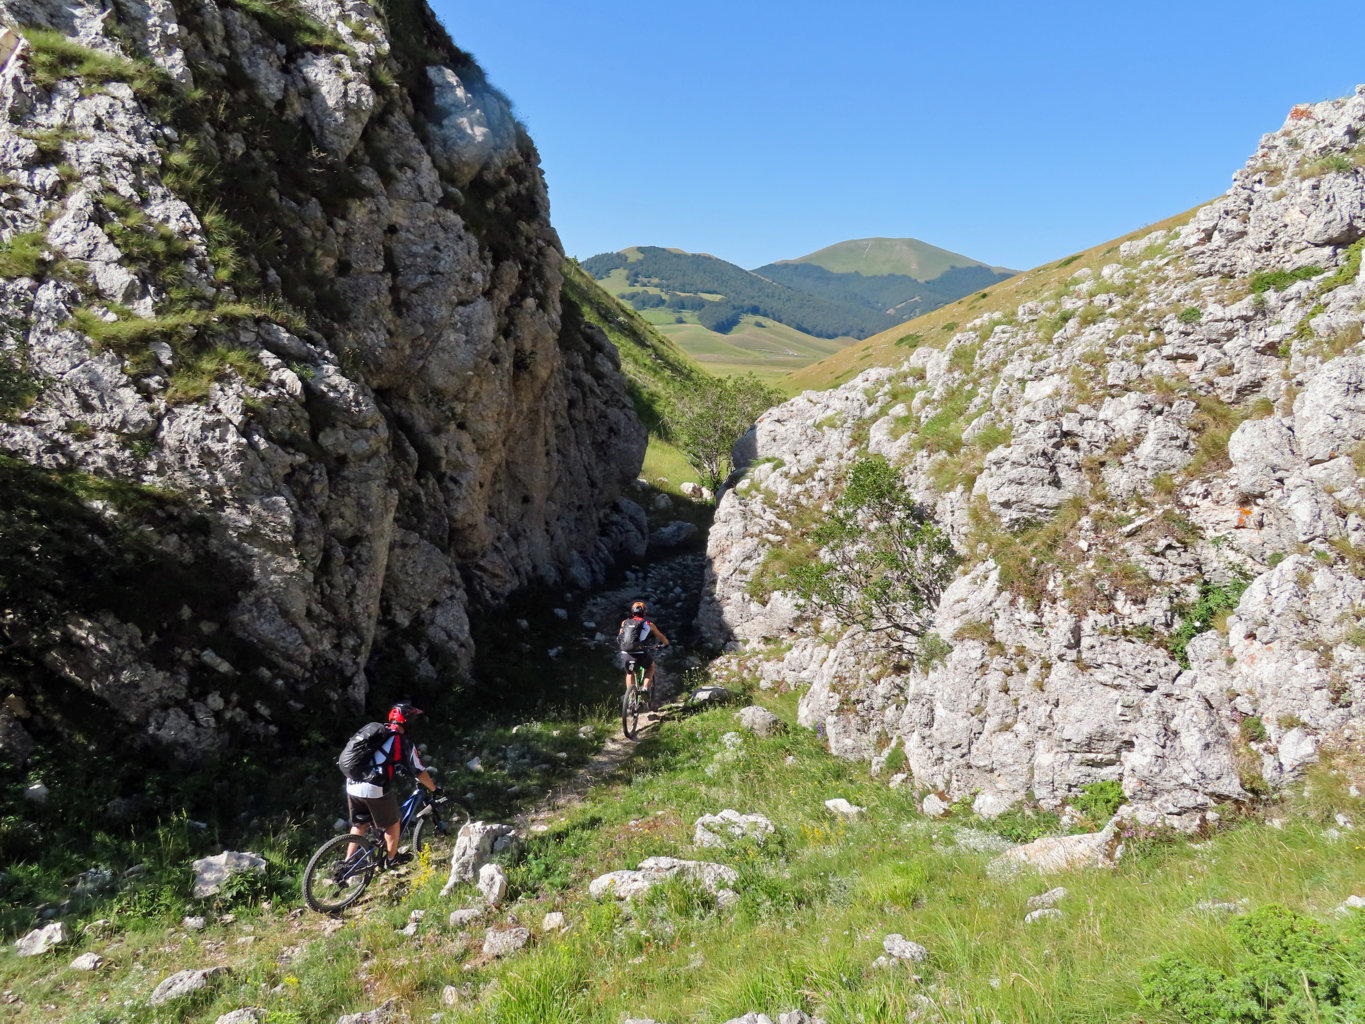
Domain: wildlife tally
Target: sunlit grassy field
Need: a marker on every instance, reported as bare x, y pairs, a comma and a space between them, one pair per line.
814, 903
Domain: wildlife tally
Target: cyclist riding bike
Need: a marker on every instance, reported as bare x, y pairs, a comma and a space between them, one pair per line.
368, 798
633, 637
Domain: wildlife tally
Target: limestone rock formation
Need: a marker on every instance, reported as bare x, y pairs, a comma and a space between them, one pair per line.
1153, 471
285, 382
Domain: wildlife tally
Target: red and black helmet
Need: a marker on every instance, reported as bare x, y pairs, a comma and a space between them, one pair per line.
403, 713
638, 608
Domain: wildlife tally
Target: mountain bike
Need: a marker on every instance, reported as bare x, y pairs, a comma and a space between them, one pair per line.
342, 868
636, 698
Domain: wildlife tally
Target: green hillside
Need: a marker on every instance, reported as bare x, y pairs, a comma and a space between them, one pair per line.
786, 315
891, 346
656, 369
876, 256
720, 293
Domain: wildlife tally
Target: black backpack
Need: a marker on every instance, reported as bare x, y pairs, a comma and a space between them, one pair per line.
632, 634
357, 757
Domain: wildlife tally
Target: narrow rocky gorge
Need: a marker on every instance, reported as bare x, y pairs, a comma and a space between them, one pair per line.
1153, 472
284, 347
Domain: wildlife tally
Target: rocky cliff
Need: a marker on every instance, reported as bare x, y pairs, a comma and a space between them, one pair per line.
1153, 470
284, 382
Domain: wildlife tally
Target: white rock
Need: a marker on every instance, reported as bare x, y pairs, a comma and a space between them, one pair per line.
493, 884
467, 915
553, 922
87, 962
760, 721
211, 872
502, 941
933, 806
901, 948
718, 830
1048, 899
40, 940
474, 847
1046, 913
1060, 853
653, 870
842, 807
184, 983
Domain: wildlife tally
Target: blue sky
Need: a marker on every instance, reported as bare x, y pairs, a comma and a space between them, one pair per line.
1013, 133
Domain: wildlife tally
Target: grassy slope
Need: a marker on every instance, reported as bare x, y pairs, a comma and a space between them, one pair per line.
814, 904
872, 256
1005, 297
654, 366
770, 352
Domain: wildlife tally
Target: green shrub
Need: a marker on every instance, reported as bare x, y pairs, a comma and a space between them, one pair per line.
1285, 967
24, 255
1099, 800
1333, 163
884, 561
1278, 280
1252, 729
1207, 612
1191, 315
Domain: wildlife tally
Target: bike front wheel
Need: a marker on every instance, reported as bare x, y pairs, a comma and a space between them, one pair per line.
334, 879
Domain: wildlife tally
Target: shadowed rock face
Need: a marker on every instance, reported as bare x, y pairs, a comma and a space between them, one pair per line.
296, 274
1171, 434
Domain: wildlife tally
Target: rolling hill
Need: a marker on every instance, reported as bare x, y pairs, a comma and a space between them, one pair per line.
788, 314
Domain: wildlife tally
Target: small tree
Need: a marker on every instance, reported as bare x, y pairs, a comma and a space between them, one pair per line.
710, 415
882, 564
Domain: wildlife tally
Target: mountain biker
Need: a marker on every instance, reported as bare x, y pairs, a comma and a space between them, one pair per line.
633, 646
369, 800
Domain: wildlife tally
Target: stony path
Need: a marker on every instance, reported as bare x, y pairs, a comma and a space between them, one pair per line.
614, 753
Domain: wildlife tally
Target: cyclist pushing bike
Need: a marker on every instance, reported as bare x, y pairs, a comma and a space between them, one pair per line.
633, 639
372, 754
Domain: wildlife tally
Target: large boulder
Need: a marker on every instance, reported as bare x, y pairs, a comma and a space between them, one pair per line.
185, 983
211, 872
654, 870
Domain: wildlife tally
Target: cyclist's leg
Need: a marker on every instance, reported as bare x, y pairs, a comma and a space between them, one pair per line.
359, 816
384, 811
628, 661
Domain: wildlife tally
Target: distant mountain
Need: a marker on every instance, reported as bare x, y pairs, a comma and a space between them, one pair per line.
720, 293
851, 290
875, 257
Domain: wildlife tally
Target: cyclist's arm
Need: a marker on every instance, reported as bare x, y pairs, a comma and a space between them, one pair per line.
659, 633
418, 769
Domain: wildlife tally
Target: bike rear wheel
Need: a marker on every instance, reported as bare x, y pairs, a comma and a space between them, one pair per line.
332, 880
630, 711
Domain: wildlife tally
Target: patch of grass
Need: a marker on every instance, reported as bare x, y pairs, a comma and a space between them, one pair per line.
51, 57
942, 432
1190, 315
909, 341
1278, 280
290, 21
1332, 163
196, 374
1208, 611
1346, 273
25, 255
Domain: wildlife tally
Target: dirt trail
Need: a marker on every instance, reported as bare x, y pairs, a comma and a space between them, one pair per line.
614, 753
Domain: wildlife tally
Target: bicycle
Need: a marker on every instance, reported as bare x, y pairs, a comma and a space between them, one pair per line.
634, 699
342, 868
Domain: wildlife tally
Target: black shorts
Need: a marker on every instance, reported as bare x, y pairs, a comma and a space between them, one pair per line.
629, 659
381, 811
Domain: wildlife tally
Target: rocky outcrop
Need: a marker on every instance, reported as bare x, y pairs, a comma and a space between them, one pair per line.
285, 381
1153, 471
